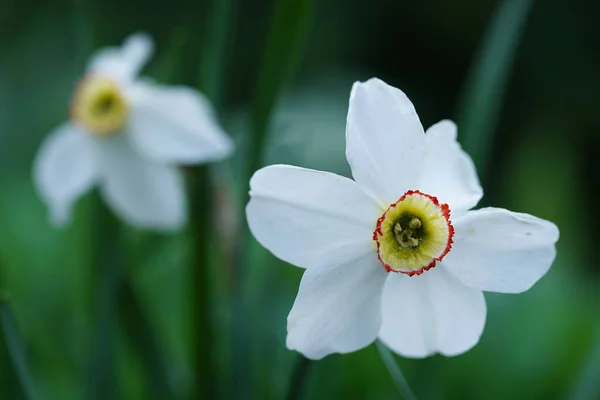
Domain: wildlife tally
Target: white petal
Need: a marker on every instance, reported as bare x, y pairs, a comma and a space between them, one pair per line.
123, 63
65, 168
338, 308
431, 313
449, 173
501, 251
310, 218
385, 143
143, 193
176, 124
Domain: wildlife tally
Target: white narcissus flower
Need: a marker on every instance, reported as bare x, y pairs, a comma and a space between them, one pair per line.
394, 253
127, 135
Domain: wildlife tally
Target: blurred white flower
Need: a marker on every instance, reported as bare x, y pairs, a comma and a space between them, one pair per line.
394, 253
127, 135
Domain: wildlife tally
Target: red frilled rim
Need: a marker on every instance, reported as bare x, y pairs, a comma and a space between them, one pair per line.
377, 233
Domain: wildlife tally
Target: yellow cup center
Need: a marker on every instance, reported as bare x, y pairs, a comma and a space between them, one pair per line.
413, 233
99, 106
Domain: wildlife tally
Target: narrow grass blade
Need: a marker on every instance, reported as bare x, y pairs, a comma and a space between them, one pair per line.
106, 263
214, 51
203, 357
14, 345
485, 86
210, 81
140, 332
588, 383
288, 30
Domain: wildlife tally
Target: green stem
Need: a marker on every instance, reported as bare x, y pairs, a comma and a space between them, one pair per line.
395, 372
202, 342
15, 347
299, 377
106, 263
116, 301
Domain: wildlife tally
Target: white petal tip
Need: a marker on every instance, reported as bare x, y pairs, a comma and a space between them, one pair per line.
422, 353
139, 43
316, 354
364, 85
446, 128
375, 88
371, 82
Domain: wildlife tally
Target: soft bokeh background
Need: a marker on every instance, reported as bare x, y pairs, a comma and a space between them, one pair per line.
538, 156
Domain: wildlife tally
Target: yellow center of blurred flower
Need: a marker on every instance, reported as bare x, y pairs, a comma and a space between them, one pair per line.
98, 106
413, 234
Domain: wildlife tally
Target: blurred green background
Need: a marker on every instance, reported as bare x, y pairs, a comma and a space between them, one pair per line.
527, 111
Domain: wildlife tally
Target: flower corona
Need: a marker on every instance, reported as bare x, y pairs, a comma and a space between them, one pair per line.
413, 233
99, 106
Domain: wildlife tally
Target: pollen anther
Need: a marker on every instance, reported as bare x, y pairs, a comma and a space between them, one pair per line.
414, 223
407, 238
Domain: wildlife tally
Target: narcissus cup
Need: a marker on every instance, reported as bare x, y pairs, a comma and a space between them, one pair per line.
397, 253
127, 135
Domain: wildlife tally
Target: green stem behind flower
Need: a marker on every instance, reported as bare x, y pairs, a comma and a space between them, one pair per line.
395, 373
485, 86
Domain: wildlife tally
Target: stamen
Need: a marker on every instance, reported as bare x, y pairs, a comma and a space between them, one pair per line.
414, 223
397, 228
406, 238
409, 241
